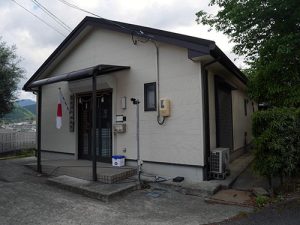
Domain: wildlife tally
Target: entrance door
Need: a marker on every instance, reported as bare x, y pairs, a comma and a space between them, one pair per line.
103, 127
224, 127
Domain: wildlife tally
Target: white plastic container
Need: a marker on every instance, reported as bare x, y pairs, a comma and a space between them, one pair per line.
118, 160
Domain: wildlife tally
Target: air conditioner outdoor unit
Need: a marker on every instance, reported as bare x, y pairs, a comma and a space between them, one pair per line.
219, 161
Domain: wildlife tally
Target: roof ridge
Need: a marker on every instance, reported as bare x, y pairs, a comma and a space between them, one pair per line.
203, 46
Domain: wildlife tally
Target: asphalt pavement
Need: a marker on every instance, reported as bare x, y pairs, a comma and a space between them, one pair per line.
285, 213
26, 198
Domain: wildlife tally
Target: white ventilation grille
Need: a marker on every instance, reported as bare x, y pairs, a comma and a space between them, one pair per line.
215, 162
219, 160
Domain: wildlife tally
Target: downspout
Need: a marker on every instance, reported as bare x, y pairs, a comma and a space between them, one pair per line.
39, 165
205, 98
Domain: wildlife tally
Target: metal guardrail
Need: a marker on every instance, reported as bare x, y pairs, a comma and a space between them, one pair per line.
16, 141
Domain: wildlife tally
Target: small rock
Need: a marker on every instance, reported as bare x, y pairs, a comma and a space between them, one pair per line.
259, 191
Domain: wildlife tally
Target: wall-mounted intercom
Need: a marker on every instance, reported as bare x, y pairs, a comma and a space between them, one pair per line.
164, 107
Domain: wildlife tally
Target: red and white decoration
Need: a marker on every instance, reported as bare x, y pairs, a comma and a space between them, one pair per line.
59, 112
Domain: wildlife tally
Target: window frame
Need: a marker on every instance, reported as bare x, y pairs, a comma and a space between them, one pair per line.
146, 86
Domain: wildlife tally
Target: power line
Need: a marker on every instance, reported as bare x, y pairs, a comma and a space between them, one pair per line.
139, 33
49, 25
142, 37
54, 17
78, 8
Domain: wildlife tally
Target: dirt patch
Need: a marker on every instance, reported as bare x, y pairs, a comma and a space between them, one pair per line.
233, 197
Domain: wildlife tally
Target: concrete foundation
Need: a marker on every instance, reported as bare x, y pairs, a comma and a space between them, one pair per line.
47, 155
82, 169
192, 174
97, 190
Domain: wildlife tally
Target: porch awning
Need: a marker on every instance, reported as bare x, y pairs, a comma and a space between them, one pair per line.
78, 74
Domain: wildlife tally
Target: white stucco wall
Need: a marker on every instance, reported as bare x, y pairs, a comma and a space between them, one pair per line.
241, 123
179, 140
52, 139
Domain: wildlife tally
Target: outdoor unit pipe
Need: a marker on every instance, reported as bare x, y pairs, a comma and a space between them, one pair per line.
160, 122
147, 39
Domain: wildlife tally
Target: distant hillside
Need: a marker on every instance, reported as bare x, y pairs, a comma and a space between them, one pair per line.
25, 102
19, 114
31, 108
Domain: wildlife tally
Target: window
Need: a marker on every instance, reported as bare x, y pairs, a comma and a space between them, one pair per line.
150, 96
245, 106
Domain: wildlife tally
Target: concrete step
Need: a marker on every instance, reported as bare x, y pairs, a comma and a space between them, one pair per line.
105, 172
97, 190
201, 189
112, 175
211, 187
237, 167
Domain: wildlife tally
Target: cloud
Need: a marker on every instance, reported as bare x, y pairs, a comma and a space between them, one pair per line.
35, 41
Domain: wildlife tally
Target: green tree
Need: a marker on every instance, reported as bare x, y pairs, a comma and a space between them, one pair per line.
277, 141
267, 33
10, 75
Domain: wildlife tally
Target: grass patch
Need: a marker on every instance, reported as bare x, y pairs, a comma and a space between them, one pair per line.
18, 154
261, 201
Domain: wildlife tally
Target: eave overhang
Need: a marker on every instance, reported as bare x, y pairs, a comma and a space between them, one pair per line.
101, 69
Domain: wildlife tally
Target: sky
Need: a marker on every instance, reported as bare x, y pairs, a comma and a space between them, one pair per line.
35, 40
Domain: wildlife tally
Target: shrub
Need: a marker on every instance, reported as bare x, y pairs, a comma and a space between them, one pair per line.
277, 142
261, 201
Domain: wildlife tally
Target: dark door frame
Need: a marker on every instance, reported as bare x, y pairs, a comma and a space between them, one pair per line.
90, 156
220, 83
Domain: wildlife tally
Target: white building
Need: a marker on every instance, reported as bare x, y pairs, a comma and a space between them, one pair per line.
209, 107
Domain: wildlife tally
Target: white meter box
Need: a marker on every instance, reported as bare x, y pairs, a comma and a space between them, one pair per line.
120, 128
